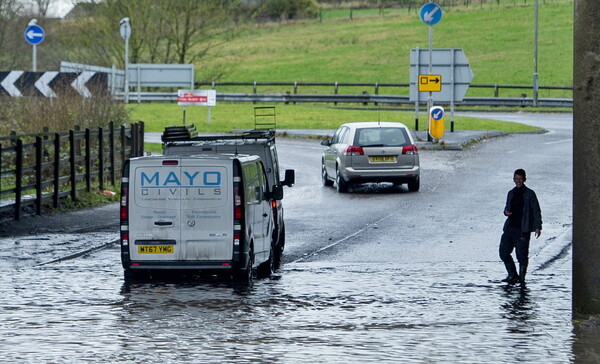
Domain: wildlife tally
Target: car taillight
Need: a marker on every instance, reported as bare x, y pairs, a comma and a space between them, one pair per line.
410, 149
352, 150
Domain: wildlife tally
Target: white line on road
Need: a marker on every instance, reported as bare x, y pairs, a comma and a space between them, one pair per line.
559, 141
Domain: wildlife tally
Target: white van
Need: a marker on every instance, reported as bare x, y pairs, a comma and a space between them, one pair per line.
202, 212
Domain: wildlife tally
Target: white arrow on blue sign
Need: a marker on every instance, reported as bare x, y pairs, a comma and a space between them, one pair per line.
437, 113
34, 34
431, 13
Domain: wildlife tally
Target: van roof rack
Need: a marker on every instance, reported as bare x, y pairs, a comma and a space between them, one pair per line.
188, 133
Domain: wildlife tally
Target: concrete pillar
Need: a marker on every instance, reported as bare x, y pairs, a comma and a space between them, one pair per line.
586, 158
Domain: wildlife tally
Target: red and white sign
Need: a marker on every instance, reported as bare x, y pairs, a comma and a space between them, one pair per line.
196, 97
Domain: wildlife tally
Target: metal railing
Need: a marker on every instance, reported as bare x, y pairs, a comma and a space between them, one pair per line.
365, 97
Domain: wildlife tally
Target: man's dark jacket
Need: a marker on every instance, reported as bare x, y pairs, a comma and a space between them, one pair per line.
532, 213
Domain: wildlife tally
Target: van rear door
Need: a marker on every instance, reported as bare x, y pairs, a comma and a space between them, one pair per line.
207, 209
180, 210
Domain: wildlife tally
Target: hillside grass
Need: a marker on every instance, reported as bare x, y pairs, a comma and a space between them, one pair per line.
228, 116
497, 40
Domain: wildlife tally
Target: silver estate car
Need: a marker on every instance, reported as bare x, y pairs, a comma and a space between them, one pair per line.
371, 152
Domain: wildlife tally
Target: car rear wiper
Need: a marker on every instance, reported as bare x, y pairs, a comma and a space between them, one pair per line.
373, 145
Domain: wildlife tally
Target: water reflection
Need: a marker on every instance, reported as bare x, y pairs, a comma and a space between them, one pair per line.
81, 310
518, 308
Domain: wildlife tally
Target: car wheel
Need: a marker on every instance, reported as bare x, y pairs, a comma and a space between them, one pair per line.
413, 186
341, 185
325, 178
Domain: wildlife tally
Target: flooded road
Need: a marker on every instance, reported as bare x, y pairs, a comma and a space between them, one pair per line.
377, 275
81, 310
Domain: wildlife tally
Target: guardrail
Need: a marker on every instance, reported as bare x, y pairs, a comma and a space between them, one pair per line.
47, 167
359, 98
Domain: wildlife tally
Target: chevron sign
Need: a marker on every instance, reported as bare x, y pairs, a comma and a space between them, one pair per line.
52, 83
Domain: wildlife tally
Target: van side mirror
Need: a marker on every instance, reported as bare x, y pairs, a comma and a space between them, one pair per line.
290, 178
325, 142
277, 193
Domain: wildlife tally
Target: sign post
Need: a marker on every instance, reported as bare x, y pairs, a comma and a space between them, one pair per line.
197, 98
34, 35
125, 31
431, 14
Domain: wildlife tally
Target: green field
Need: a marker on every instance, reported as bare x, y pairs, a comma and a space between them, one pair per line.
498, 41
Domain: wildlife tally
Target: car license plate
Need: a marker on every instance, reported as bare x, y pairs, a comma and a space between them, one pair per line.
156, 249
382, 158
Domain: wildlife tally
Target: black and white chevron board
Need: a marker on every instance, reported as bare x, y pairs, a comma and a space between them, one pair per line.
51, 83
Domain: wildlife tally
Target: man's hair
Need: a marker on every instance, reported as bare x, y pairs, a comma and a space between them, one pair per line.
521, 172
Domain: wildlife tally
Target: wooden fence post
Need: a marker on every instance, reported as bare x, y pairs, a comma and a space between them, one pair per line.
123, 144
101, 158
73, 167
18, 178
38, 174
88, 160
56, 181
111, 147
140, 138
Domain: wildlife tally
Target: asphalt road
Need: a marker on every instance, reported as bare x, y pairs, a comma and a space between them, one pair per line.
375, 275
457, 215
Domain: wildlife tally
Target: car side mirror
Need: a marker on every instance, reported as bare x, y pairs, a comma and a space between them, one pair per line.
326, 142
290, 178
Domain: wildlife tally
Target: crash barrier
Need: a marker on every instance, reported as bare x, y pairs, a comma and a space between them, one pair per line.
363, 93
41, 170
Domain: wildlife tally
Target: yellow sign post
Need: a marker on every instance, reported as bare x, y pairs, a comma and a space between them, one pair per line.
432, 83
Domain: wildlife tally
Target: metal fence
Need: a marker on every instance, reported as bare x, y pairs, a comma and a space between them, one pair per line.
38, 170
364, 93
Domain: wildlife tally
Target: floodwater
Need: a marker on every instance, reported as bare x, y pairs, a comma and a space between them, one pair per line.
81, 310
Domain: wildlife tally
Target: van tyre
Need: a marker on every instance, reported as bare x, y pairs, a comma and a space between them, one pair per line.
244, 276
278, 252
341, 185
265, 269
413, 186
325, 178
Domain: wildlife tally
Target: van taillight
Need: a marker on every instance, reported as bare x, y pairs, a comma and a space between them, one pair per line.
351, 150
124, 191
237, 203
236, 238
170, 162
410, 149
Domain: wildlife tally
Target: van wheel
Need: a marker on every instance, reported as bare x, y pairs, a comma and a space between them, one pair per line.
135, 275
266, 268
342, 186
325, 178
243, 276
278, 253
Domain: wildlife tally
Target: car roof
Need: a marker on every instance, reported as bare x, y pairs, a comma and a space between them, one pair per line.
374, 124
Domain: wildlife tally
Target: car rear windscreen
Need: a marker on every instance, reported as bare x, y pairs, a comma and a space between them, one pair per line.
381, 137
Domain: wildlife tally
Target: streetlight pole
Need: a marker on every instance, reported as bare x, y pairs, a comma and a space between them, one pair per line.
125, 34
535, 55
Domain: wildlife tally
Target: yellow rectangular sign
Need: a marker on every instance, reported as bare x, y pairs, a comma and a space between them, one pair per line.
431, 83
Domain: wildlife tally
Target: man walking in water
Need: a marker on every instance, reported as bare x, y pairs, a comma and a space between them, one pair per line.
523, 217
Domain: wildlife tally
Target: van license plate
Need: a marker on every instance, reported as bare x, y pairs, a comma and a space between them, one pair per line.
382, 158
156, 249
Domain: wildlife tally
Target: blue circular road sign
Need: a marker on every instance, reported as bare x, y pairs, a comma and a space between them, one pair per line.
34, 34
437, 113
431, 13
